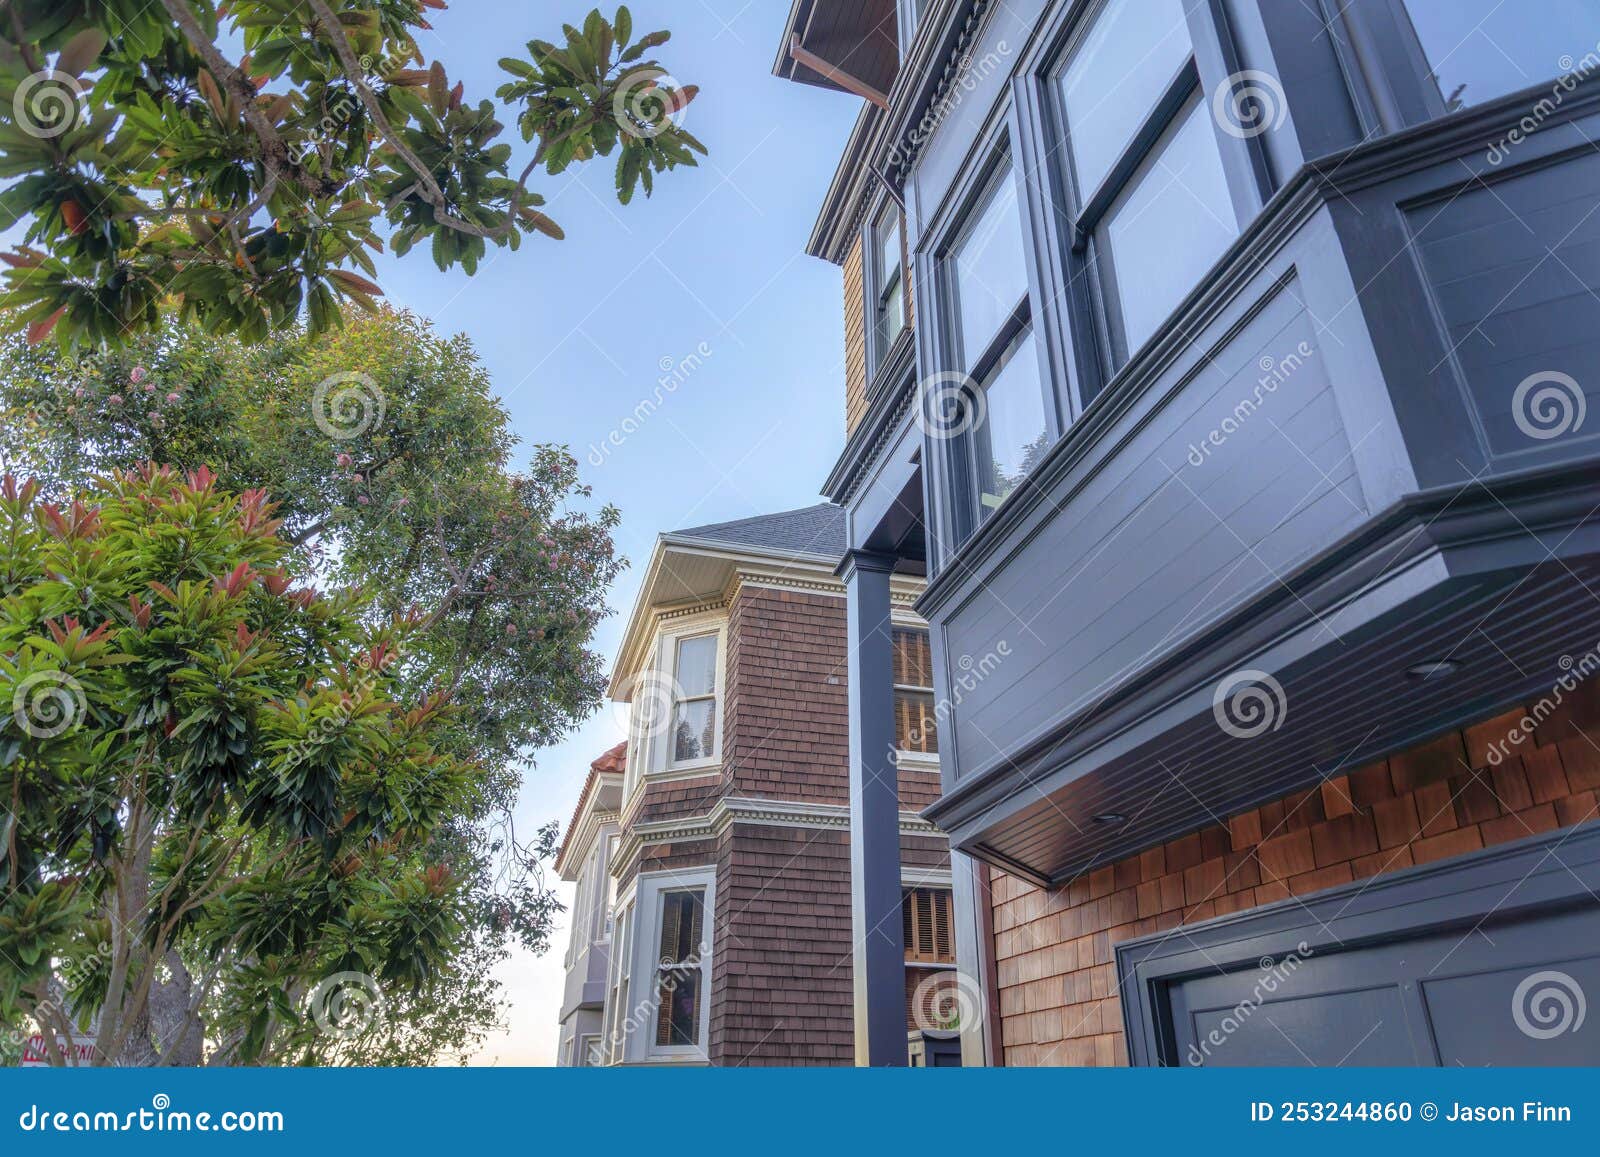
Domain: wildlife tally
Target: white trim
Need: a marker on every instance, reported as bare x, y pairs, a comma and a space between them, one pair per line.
927, 878
925, 762
772, 813
647, 894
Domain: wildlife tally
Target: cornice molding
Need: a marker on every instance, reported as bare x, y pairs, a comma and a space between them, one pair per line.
772, 813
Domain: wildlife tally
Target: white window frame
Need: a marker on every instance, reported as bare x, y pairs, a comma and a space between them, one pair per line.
651, 754
614, 1042
646, 897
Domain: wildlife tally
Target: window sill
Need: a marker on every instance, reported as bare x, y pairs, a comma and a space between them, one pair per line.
917, 761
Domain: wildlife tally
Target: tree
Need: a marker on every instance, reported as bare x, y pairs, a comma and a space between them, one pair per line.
151, 166
404, 490
228, 812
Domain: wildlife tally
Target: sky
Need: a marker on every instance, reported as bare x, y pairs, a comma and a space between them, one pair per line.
577, 333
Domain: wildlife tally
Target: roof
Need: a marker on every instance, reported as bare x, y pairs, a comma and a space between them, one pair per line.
844, 45
614, 762
817, 530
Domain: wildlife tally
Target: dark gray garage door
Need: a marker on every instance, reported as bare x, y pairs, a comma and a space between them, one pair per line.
1490, 960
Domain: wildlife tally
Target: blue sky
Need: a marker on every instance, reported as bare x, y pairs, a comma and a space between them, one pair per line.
576, 333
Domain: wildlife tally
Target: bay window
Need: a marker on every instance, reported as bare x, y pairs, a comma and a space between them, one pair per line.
1150, 203
658, 1000
986, 274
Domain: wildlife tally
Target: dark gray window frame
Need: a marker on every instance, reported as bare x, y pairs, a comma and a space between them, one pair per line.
1544, 872
1088, 326
874, 284
996, 161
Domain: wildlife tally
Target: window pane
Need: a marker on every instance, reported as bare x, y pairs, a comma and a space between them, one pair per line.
1481, 49
696, 671
1116, 76
888, 248
1012, 437
678, 1014
913, 658
682, 917
915, 726
1170, 226
891, 316
991, 274
694, 730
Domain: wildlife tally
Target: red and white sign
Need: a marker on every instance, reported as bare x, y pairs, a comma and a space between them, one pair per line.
36, 1055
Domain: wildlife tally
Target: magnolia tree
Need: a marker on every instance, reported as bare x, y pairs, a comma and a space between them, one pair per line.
153, 166
219, 785
401, 486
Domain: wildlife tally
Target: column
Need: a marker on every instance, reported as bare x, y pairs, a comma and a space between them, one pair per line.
878, 951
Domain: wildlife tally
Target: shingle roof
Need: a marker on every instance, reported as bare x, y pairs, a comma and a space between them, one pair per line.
811, 530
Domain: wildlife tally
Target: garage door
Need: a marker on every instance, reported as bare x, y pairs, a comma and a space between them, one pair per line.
1487, 960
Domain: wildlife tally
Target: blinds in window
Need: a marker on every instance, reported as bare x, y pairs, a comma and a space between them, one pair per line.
915, 724
929, 920
679, 995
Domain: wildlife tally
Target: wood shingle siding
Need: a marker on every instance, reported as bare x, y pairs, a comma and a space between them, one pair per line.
855, 339
1059, 1002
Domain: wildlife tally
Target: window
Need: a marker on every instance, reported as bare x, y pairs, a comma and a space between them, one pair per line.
679, 988
1152, 205
658, 1001
1477, 50
929, 919
694, 699
987, 273
910, 15
588, 1053
618, 1013
612, 845
915, 726
932, 998
888, 284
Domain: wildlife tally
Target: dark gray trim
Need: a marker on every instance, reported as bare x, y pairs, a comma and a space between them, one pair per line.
1486, 521
1542, 872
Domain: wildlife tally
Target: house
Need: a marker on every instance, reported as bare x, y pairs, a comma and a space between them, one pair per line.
711, 851
1228, 368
